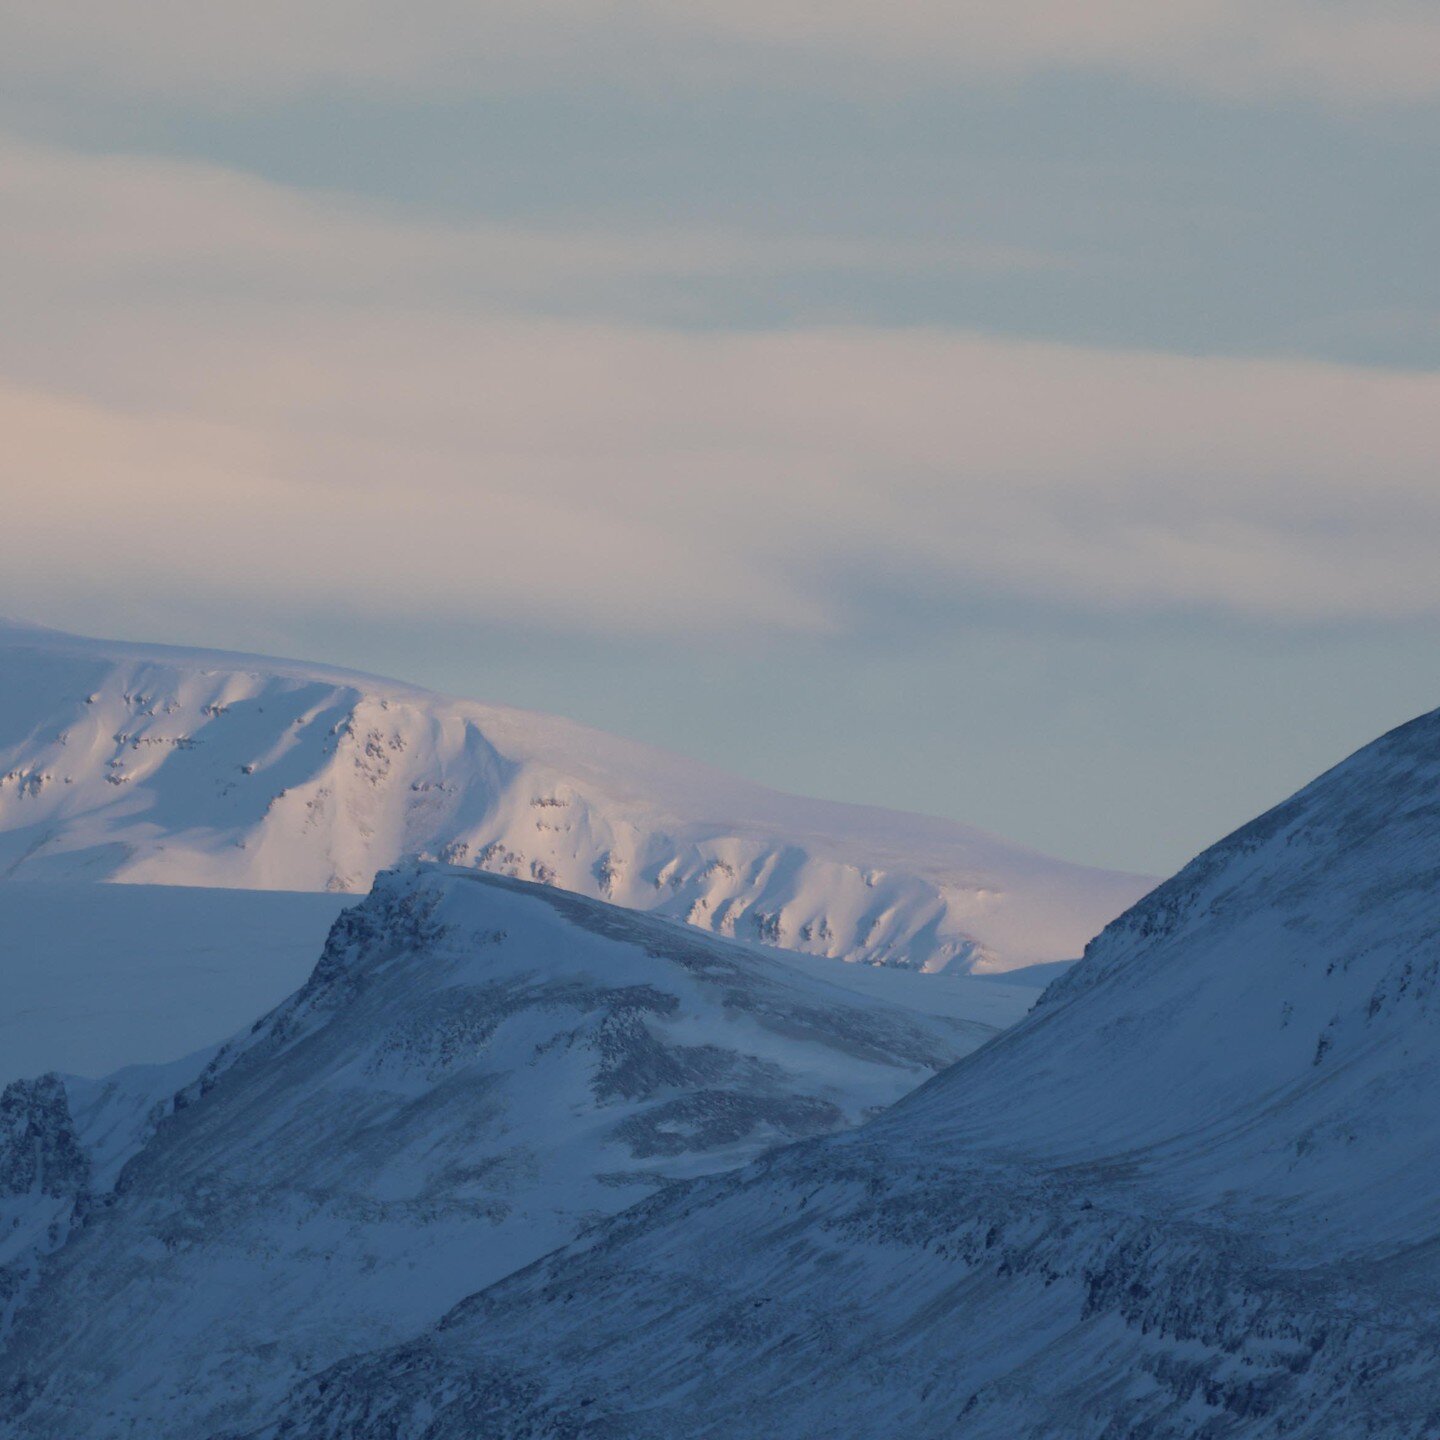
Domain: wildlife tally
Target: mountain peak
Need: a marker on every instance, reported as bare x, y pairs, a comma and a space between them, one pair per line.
477, 1069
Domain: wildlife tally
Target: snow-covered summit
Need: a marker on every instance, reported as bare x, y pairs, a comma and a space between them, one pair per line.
1195, 1193
157, 764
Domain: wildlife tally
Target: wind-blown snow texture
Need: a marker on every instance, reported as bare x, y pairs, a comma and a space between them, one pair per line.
151, 764
476, 1069
1195, 1194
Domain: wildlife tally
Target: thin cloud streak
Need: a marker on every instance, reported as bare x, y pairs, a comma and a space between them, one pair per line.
1345, 51
108, 221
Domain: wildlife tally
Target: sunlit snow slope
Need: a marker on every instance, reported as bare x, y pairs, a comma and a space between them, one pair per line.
477, 1068
1195, 1195
178, 767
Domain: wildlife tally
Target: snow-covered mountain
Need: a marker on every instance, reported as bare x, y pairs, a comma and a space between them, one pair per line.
63, 1143
1195, 1195
160, 765
477, 1069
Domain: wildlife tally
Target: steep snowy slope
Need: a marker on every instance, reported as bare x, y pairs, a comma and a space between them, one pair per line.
1195, 1194
150, 764
476, 1068
63, 1143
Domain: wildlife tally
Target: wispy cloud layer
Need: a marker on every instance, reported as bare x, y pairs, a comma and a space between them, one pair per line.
955, 403
122, 223
1331, 50
224, 387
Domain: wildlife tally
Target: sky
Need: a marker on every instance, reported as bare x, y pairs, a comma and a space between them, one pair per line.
1025, 413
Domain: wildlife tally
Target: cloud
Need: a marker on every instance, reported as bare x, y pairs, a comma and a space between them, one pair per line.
1330, 50
211, 388
113, 222
608, 478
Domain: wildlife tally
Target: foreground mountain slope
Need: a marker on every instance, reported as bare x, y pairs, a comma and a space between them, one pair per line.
1195, 1194
160, 765
63, 1143
476, 1068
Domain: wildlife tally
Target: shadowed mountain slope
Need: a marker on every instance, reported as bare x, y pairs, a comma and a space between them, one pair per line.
476, 1070
1195, 1195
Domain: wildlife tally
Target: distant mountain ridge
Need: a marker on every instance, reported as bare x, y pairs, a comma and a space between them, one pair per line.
159, 764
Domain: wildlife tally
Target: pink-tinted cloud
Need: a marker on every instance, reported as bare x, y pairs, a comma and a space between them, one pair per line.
235, 391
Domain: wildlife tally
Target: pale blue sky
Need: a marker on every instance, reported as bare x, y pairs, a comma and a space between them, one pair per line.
989, 416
